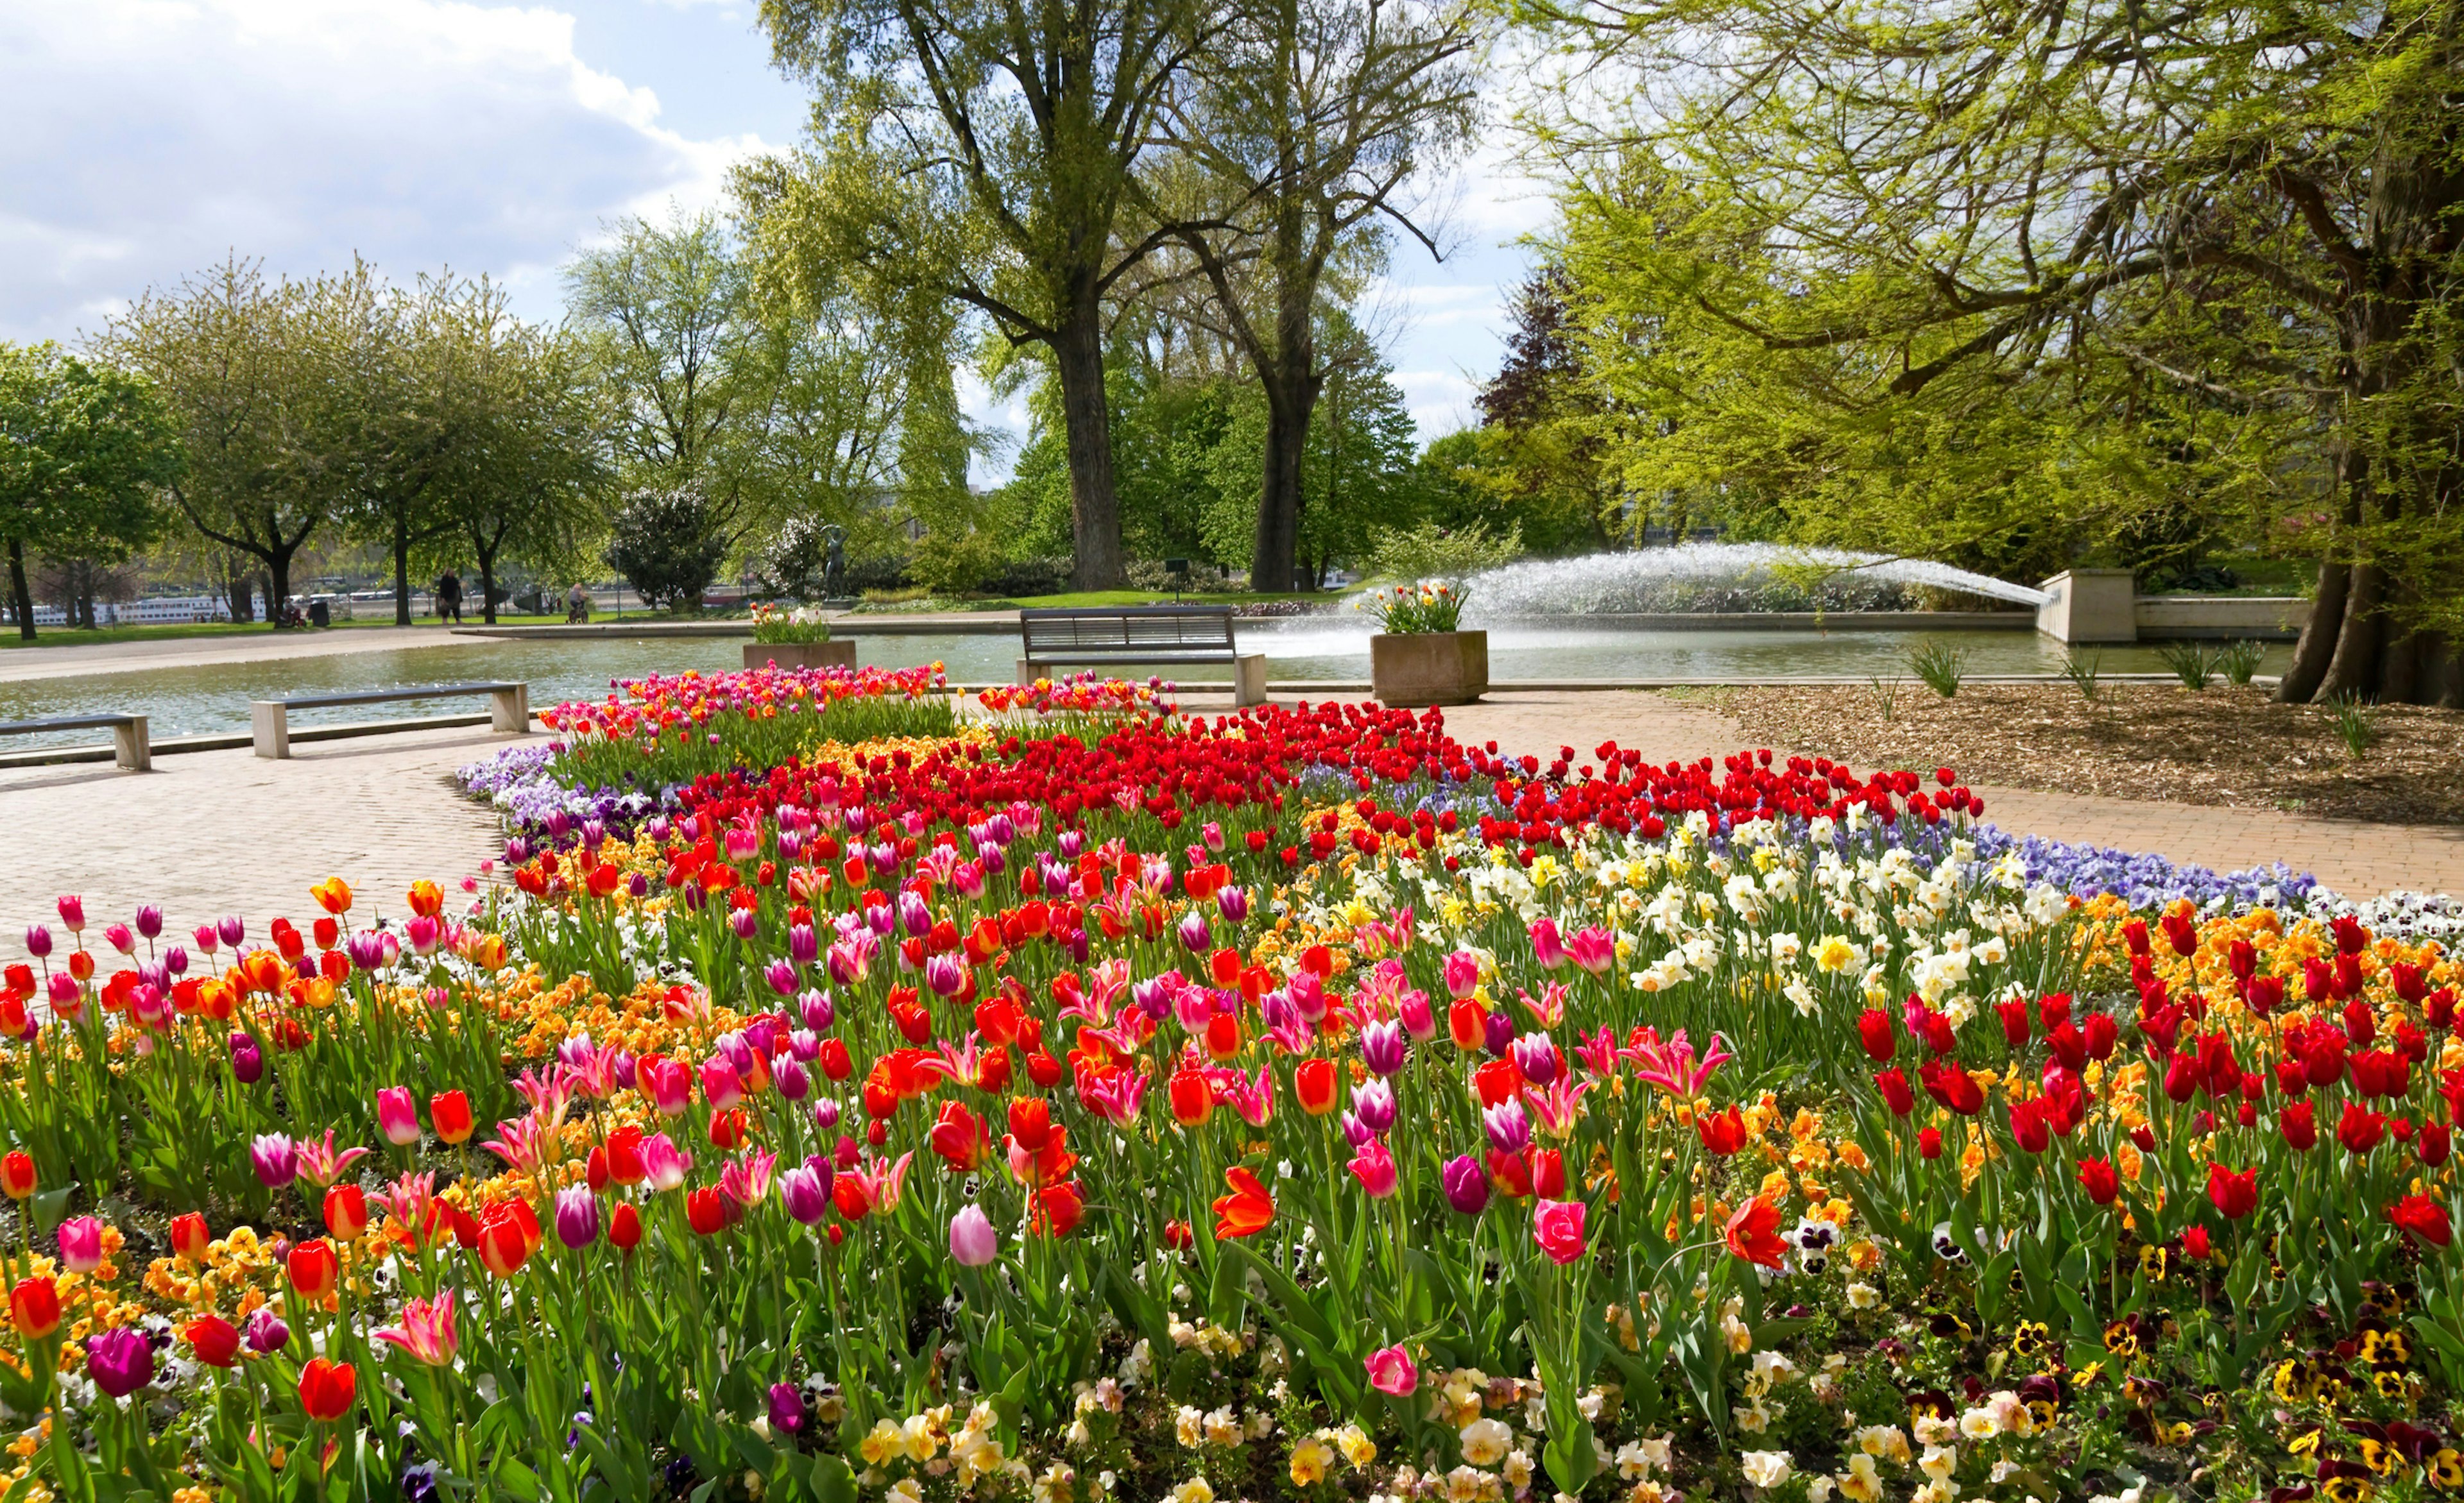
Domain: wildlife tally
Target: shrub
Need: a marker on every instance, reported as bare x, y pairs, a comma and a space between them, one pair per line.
2194, 665
667, 546
2241, 660
1940, 667
957, 565
1431, 551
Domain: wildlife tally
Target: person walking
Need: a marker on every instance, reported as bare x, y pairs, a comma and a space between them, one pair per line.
449, 597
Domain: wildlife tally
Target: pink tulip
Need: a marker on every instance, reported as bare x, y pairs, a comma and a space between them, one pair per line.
1546, 947
1463, 975
666, 1083
1391, 1370
397, 1116
664, 1165
973, 1241
1374, 1165
1594, 950
82, 1244
1557, 1226
426, 1332
720, 1083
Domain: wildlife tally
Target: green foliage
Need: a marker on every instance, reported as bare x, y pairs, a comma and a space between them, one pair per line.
2240, 659
2082, 673
668, 545
2356, 724
84, 449
2194, 665
957, 565
1939, 666
1431, 551
1411, 609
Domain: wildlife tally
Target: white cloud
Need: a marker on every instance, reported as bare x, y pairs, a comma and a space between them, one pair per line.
1440, 402
144, 140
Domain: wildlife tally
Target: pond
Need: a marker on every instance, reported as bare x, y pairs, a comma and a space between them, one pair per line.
202, 700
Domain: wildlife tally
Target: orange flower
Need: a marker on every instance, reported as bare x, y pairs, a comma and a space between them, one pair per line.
427, 900
333, 895
1246, 1210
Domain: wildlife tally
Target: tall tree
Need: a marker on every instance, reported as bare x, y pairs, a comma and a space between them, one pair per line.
1308, 121
529, 469
684, 370
2260, 211
987, 152
229, 355
84, 449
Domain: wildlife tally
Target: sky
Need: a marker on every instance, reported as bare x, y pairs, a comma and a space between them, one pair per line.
143, 141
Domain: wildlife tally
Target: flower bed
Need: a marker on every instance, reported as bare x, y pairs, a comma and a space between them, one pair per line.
1093, 1102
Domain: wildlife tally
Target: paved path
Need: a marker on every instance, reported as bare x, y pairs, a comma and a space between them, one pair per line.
190, 652
211, 833
223, 832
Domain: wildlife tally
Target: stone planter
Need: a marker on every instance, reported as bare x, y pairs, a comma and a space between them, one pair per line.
1414, 670
833, 654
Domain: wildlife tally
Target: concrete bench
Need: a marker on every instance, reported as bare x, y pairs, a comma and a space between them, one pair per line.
129, 746
509, 708
1122, 636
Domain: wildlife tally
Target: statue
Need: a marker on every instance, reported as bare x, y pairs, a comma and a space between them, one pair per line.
834, 562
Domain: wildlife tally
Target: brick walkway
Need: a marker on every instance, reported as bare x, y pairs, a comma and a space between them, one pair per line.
222, 831
211, 833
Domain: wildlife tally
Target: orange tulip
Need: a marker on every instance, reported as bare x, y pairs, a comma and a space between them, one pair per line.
427, 900
1246, 1210
17, 1174
449, 1112
346, 1211
333, 895
189, 1237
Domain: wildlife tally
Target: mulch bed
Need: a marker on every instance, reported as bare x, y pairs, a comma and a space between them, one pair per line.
2227, 746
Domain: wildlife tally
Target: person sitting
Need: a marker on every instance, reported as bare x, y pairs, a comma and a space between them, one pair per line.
577, 603
449, 597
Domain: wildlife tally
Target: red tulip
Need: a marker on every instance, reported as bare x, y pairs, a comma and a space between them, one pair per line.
1723, 1132
17, 1174
327, 1388
2423, 1217
34, 1307
346, 1213
1929, 1143
2360, 1129
190, 1238
1753, 1233
1896, 1094
1246, 1210
214, 1339
314, 1271
1192, 1099
2234, 1196
1315, 1084
2096, 1177
449, 1112
1874, 1030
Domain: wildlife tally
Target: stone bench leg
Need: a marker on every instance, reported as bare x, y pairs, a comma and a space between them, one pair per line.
510, 709
129, 746
1027, 673
269, 728
1249, 678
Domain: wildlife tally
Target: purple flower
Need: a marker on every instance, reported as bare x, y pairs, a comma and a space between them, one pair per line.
1373, 1103
248, 1060
1466, 1185
806, 1190
119, 1361
275, 1157
786, 1407
1510, 1130
1536, 1057
576, 1217
266, 1333
1382, 1047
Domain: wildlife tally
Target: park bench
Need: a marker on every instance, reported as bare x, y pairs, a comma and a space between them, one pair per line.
509, 708
129, 747
1141, 634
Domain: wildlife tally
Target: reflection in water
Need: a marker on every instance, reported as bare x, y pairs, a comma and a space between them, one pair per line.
191, 701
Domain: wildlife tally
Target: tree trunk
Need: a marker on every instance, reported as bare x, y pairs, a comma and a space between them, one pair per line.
400, 569
277, 586
1086, 421
19, 596
243, 597
487, 580
1272, 556
2318, 644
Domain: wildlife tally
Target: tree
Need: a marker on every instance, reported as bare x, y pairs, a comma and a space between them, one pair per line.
1307, 120
529, 468
685, 371
987, 153
668, 545
231, 358
84, 450
2106, 240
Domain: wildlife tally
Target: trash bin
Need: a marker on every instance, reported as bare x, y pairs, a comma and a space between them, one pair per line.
320, 613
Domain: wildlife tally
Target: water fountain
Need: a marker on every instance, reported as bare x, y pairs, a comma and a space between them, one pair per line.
1723, 579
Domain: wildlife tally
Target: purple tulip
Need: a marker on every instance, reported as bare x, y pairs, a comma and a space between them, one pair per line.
149, 920
275, 1157
1233, 903
817, 1011
825, 1114
1466, 1185
782, 977
1536, 1057
119, 1361
1382, 1047
806, 1190
266, 1333
746, 923
638, 885
1194, 935
804, 945
232, 929
792, 1081
38, 939
786, 1407
175, 961
1510, 1130
1073, 842
1497, 1033
1373, 1103
576, 1217
945, 974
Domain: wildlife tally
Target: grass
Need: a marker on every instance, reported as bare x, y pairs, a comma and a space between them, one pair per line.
2241, 660
1939, 666
2356, 726
2194, 665
2082, 673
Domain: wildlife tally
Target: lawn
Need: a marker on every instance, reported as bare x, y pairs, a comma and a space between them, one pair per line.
67, 636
